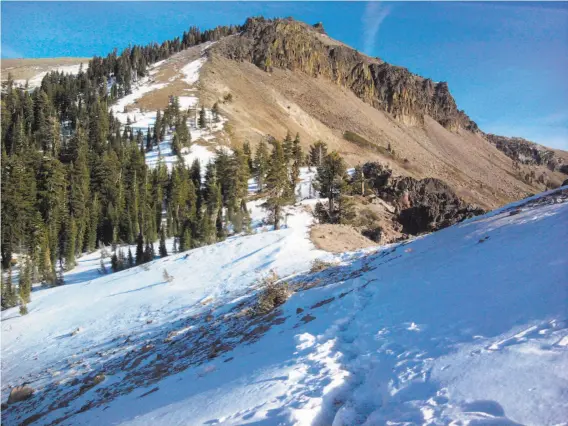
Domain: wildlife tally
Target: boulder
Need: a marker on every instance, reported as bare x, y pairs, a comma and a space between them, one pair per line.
20, 393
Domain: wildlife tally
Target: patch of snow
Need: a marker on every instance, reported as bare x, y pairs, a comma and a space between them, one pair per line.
143, 87
191, 70
186, 102
36, 80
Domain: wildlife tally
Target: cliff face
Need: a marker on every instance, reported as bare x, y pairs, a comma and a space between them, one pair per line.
293, 45
526, 152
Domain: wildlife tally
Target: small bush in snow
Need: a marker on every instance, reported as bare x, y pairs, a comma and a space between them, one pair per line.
167, 277
104, 252
320, 265
272, 295
102, 268
23, 309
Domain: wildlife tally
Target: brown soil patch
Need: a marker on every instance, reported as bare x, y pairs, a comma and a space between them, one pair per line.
338, 238
159, 99
24, 69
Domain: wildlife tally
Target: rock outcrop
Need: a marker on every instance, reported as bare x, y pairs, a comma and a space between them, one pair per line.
20, 393
293, 45
526, 152
426, 205
421, 205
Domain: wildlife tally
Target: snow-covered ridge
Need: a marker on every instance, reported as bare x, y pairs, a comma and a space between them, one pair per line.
36, 80
465, 325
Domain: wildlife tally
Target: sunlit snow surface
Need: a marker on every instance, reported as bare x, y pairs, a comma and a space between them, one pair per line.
36, 80
465, 325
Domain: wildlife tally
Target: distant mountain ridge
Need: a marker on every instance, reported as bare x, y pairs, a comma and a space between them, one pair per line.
527, 152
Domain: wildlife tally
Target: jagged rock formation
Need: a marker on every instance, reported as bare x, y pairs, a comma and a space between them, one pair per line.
527, 152
293, 45
427, 205
423, 205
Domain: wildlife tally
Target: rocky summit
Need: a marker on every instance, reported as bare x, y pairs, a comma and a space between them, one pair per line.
296, 46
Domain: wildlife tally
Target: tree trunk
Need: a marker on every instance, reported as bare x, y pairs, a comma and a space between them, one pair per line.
276, 218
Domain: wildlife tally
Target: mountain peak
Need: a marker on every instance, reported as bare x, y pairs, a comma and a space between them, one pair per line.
294, 45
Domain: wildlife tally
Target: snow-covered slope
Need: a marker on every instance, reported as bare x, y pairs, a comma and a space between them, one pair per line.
466, 325
127, 110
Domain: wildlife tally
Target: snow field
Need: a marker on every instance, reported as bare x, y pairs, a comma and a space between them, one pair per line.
450, 327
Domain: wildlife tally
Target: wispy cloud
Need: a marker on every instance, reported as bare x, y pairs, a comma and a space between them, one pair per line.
373, 16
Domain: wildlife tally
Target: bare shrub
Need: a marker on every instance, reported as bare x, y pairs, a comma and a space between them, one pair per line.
320, 265
167, 277
367, 218
373, 233
273, 294
23, 309
104, 252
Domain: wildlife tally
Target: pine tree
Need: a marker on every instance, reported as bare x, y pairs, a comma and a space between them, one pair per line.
288, 147
163, 250
158, 126
70, 244
148, 255
318, 152
9, 295
202, 122
331, 180
149, 141
345, 210
248, 154
276, 185
139, 249
185, 240
215, 112
114, 262
130, 258
176, 146
297, 161
23, 307
45, 266
220, 228
25, 281
121, 261
261, 165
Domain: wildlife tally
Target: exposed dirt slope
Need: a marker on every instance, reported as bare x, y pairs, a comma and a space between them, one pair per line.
272, 103
24, 69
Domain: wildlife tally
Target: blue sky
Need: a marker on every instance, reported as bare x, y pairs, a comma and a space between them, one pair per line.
505, 63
